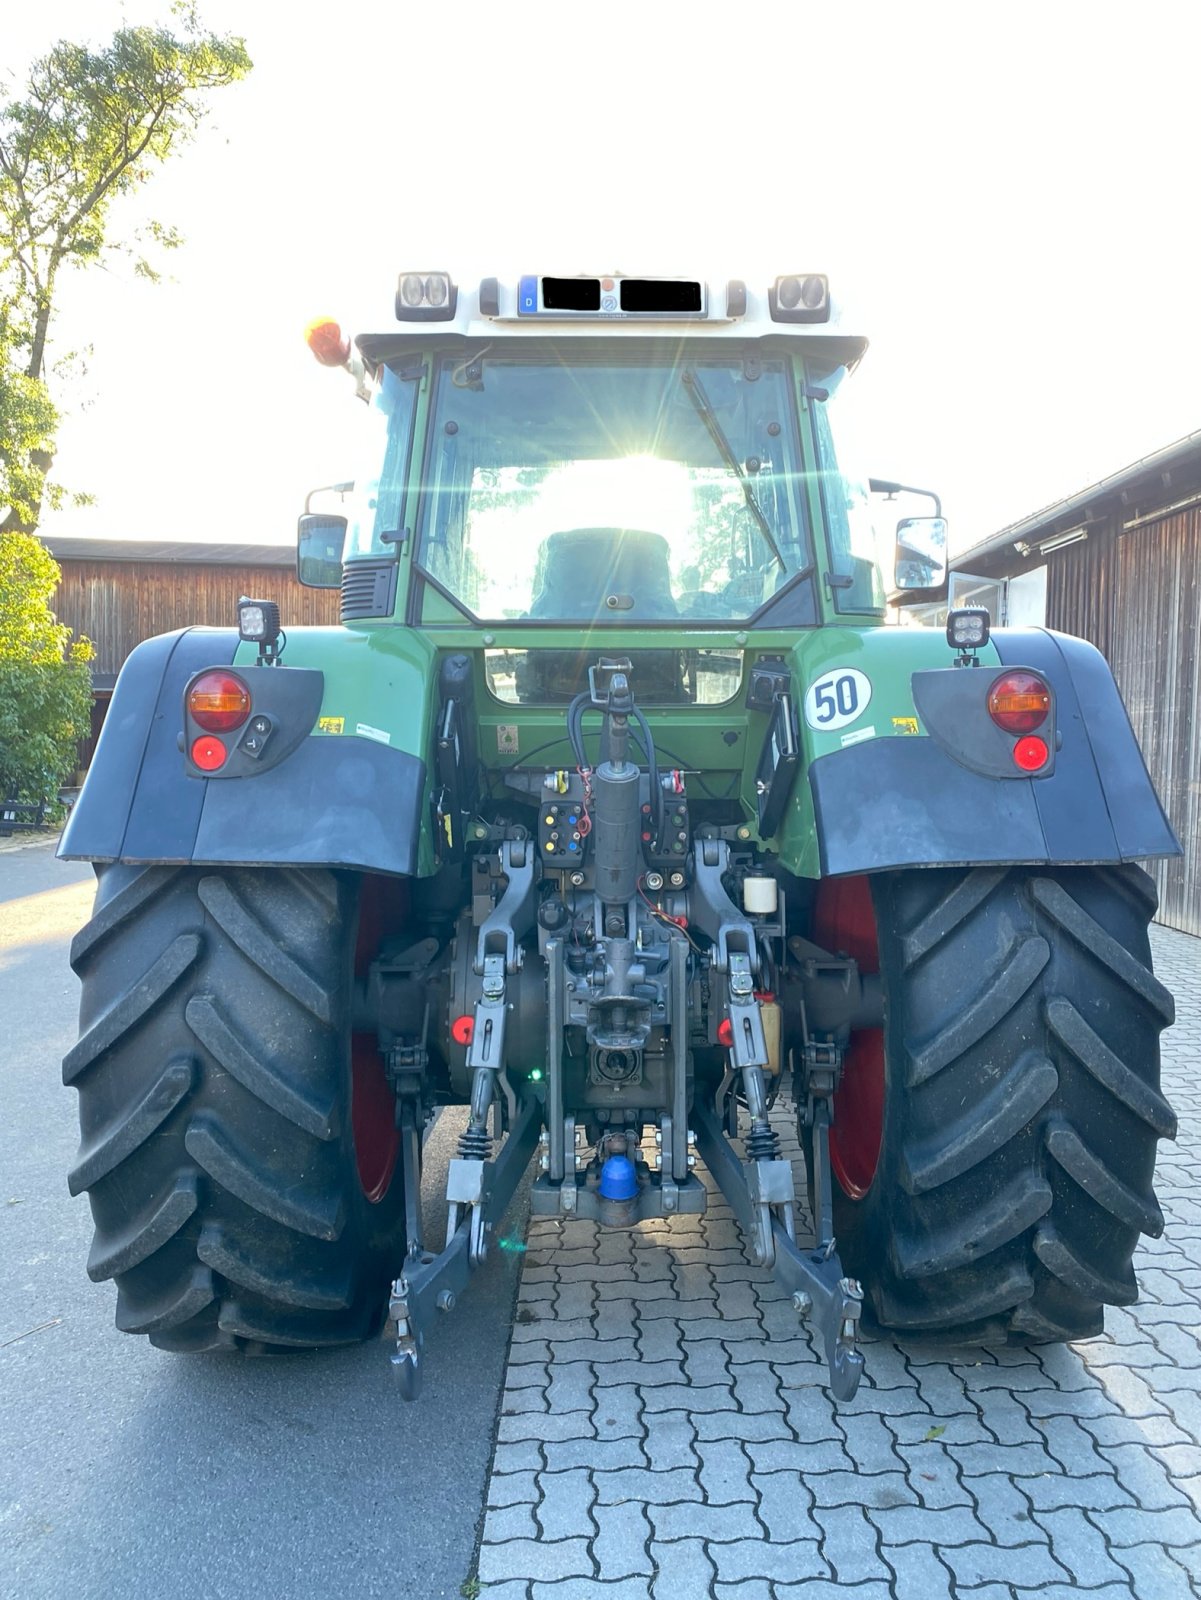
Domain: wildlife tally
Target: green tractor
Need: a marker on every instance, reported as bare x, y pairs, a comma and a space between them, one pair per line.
613, 811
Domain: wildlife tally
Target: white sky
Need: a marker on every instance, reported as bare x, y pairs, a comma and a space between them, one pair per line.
1005, 194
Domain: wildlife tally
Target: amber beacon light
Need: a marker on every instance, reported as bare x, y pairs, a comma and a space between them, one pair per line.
328, 343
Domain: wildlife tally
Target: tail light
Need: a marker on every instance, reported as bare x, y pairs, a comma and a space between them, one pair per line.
1019, 702
219, 702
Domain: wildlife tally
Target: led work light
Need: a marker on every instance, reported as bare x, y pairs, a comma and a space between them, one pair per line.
258, 623
425, 297
967, 628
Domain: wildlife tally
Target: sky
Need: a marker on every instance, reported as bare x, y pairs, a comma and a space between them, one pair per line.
1003, 196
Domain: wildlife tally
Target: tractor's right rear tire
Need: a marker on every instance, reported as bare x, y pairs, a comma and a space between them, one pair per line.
994, 1147
238, 1148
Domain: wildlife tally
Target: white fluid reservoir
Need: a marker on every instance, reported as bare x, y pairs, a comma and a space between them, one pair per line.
760, 896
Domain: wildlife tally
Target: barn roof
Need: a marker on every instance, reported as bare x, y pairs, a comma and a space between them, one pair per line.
201, 553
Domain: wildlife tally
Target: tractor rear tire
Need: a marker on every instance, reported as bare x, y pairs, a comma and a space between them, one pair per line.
1015, 1137
232, 1201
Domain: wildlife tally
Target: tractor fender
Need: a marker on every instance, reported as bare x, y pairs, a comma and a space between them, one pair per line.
910, 802
350, 802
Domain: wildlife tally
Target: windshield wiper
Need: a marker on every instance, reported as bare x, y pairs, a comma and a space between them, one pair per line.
708, 416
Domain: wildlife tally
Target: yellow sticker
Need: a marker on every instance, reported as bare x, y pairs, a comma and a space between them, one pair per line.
904, 724
330, 724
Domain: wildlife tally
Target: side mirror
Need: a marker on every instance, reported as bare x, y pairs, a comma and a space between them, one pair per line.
921, 558
319, 541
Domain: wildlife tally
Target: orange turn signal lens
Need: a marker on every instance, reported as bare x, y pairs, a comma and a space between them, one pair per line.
327, 342
1019, 702
219, 702
1031, 753
208, 753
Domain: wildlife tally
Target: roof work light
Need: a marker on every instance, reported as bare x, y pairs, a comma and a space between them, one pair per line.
426, 297
258, 623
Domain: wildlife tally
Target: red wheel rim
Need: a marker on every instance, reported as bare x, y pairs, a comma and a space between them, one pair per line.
845, 920
373, 1118
372, 1102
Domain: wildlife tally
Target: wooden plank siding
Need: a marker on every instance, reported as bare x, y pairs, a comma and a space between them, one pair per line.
1137, 597
117, 604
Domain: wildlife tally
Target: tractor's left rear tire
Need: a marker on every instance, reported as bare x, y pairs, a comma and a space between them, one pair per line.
994, 1145
239, 1153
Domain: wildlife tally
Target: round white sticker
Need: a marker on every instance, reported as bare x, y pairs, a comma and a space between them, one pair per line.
836, 698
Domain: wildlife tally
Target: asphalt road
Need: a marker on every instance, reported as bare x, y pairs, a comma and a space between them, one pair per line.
127, 1470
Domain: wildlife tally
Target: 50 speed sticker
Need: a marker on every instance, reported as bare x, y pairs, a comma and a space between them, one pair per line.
837, 698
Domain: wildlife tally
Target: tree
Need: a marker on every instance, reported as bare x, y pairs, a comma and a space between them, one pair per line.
45, 684
92, 126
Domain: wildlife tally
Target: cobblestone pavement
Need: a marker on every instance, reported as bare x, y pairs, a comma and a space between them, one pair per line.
664, 1431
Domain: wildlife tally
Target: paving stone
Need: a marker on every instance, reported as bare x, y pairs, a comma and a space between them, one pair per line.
750, 1559
516, 1589
1020, 1460
756, 1387
706, 1363
741, 1425
787, 1455
564, 1454
670, 1442
1157, 1432
933, 1476
516, 1402
1003, 1509
527, 1375
643, 1373
649, 1488
574, 1300
1060, 1591
620, 1547
659, 1340
918, 1525
870, 1444
819, 1589
1012, 1423
566, 1499
545, 1426
641, 1289
918, 1574
1154, 1573
696, 1520
1131, 1525
618, 1412
1146, 1478
1097, 1493
570, 1387
587, 1589
883, 1490
540, 1559
1072, 1446
512, 1488
1027, 1565
523, 1455
682, 1568
785, 1505
535, 1350
1078, 1546
751, 1589
502, 1523
725, 1472
849, 1544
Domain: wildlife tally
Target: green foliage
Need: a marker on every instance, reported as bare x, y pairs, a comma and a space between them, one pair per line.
91, 126
45, 685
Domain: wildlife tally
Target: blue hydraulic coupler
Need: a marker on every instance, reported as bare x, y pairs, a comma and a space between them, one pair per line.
618, 1191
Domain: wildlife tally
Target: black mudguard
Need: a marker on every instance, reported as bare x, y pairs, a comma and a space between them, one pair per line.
344, 802
906, 802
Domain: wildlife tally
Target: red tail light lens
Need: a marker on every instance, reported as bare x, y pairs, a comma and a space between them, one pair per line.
208, 753
1031, 754
1019, 702
219, 702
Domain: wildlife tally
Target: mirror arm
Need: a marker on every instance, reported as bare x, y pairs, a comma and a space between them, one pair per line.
886, 486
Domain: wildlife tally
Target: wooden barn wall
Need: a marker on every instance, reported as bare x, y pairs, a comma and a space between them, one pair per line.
1157, 663
1081, 588
117, 604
